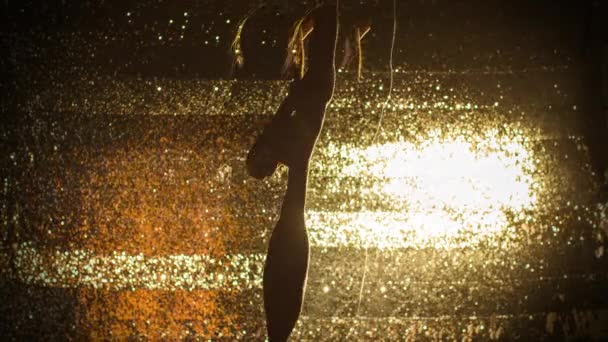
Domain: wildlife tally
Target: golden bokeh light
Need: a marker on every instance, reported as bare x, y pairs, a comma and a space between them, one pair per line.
450, 214
441, 192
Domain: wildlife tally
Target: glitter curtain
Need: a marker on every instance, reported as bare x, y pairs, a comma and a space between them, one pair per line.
127, 211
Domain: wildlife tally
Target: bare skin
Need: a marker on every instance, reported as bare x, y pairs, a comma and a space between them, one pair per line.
290, 139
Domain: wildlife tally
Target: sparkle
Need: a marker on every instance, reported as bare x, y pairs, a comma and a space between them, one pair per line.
139, 205
119, 270
486, 182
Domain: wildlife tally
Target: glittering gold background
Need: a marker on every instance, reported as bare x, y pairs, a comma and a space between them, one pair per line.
153, 220
127, 211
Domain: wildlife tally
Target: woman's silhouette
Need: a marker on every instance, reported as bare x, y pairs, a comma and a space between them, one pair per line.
290, 139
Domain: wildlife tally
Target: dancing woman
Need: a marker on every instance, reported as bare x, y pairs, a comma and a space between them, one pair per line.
290, 139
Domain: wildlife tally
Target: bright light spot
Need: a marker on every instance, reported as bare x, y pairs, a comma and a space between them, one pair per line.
438, 193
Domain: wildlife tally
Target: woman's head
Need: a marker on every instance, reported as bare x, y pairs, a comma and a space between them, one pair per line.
267, 44
260, 44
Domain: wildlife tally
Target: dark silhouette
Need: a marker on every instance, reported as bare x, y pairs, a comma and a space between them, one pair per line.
290, 139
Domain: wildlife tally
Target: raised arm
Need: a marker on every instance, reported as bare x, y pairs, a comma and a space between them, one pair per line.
320, 79
291, 135
304, 107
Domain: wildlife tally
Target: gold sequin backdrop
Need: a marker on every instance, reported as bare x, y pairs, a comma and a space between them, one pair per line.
127, 212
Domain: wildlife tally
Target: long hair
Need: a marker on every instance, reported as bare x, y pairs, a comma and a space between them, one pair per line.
296, 48
236, 48
292, 45
353, 46
360, 32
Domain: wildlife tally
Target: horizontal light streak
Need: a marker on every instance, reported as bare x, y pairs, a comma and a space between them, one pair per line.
386, 230
121, 271
443, 192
